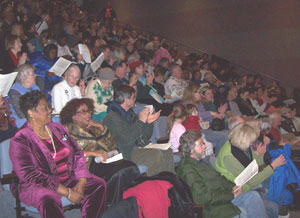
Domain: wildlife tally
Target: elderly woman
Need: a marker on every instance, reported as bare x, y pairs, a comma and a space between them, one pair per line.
236, 155
49, 164
101, 91
12, 57
66, 90
25, 82
96, 140
192, 95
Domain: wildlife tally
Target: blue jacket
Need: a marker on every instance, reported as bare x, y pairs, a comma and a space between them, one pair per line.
42, 66
283, 176
18, 87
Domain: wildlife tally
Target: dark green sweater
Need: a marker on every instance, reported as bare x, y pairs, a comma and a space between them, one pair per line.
126, 133
208, 188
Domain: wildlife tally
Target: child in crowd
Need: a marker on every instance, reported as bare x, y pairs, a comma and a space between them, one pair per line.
175, 127
193, 122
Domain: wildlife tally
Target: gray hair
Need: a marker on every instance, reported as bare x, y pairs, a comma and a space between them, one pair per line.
187, 141
234, 121
23, 72
265, 124
274, 115
71, 67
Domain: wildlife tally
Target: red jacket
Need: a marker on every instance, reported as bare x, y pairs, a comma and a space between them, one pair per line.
192, 123
152, 198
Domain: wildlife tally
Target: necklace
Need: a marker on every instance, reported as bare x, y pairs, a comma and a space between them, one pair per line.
52, 141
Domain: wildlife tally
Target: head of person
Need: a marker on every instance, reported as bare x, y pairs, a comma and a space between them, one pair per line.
287, 113
164, 62
204, 65
125, 96
244, 94
36, 108
208, 93
72, 75
275, 119
176, 71
120, 69
17, 30
136, 67
178, 114
242, 136
209, 77
159, 73
192, 144
191, 110
50, 51
196, 75
120, 54
76, 53
234, 121
253, 93
106, 76
265, 125
26, 75
192, 94
62, 39
77, 111
232, 93
13, 43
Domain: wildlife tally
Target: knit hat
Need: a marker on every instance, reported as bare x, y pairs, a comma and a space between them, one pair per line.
107, 74
135, 64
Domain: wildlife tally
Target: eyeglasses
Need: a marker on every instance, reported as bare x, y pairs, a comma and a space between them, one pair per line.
84, 112
200, 144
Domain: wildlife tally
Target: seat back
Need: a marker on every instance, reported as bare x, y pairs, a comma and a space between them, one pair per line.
5, 163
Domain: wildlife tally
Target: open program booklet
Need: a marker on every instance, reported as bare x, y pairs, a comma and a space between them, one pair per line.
6, 82
248, 173
113, 157
165, 146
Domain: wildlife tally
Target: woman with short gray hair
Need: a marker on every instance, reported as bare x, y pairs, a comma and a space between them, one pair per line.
25, 82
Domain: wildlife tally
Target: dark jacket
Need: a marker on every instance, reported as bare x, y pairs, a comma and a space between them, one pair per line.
208, 187
126, 127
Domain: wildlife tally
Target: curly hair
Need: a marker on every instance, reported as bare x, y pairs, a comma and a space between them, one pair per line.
31, 100
187, 141
71, 108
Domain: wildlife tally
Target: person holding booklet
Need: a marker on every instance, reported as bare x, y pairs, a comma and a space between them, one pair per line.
67, 89
220, 197
236, 155
96, 140
25, 82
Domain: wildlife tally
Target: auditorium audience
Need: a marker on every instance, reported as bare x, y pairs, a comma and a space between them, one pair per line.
158, 66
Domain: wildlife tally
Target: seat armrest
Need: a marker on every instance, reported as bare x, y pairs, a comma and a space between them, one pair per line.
9, 179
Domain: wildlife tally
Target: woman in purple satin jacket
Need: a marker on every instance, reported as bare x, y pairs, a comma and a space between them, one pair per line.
49, 164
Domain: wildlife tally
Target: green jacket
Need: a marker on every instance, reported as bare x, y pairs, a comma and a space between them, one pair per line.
230, 167
126, 133
208, 188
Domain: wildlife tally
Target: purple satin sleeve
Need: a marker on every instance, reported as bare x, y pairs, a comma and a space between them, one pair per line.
28, 169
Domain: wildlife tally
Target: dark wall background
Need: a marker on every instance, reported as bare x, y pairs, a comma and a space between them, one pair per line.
261, 35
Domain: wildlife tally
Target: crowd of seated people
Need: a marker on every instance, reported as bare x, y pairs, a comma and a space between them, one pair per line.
207, 103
